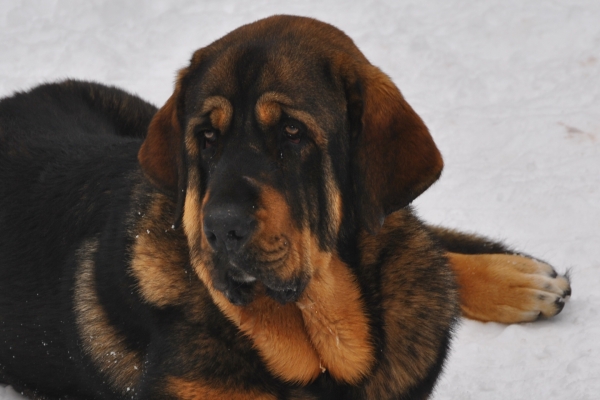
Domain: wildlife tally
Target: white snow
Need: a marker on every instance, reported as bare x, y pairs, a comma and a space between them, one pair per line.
509, 88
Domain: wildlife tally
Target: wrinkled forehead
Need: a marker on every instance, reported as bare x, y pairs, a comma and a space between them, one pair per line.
244, 74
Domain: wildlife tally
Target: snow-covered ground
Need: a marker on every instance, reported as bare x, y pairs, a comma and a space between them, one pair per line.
509, 88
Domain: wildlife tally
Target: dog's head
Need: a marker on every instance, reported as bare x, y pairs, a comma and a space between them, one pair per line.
277, 135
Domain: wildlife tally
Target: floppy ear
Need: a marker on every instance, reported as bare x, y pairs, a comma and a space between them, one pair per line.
394, 156
159, 155
162, 155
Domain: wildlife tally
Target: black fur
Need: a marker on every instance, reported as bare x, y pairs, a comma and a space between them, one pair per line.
69, 175
103, 297
66, 153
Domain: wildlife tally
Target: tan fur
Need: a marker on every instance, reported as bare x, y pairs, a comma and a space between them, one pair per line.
506, 288
192, 219
195, 390
277, 231
156, 260
107, 348
191, 141
268, 108
335, 319
278, 333
220, 111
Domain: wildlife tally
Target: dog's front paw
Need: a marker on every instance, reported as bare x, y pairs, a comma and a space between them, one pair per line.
508, 288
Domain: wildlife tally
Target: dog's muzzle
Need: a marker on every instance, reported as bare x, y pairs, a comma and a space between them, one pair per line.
237, 272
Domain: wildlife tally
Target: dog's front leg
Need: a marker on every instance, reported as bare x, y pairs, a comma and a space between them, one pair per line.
497, 284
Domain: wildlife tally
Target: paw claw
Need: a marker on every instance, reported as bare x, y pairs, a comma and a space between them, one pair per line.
559, 304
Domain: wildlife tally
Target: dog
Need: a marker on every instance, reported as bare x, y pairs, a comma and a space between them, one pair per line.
251, 239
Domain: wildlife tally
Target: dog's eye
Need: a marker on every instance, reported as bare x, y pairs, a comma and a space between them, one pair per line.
209, 136
293, 132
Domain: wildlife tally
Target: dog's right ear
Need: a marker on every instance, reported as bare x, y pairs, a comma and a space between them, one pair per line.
162, 154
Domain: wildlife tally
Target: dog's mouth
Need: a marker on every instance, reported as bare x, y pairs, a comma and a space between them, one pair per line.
241, 280
238, 287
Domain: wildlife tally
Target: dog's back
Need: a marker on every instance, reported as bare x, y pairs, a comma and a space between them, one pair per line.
65, 153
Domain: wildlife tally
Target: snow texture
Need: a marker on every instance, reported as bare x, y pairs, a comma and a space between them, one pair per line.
510, 90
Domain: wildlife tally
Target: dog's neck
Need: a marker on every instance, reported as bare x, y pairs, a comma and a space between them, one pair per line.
325, 330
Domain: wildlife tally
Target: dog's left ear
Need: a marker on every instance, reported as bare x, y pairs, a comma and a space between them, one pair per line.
162, 155
394, 156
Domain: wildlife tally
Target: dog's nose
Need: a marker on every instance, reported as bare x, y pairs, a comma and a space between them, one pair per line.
229, 227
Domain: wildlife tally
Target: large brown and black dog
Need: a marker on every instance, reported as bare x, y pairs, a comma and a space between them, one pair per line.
250, 240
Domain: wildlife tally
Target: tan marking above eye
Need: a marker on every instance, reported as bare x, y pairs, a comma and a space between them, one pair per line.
269, 108
219, 110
